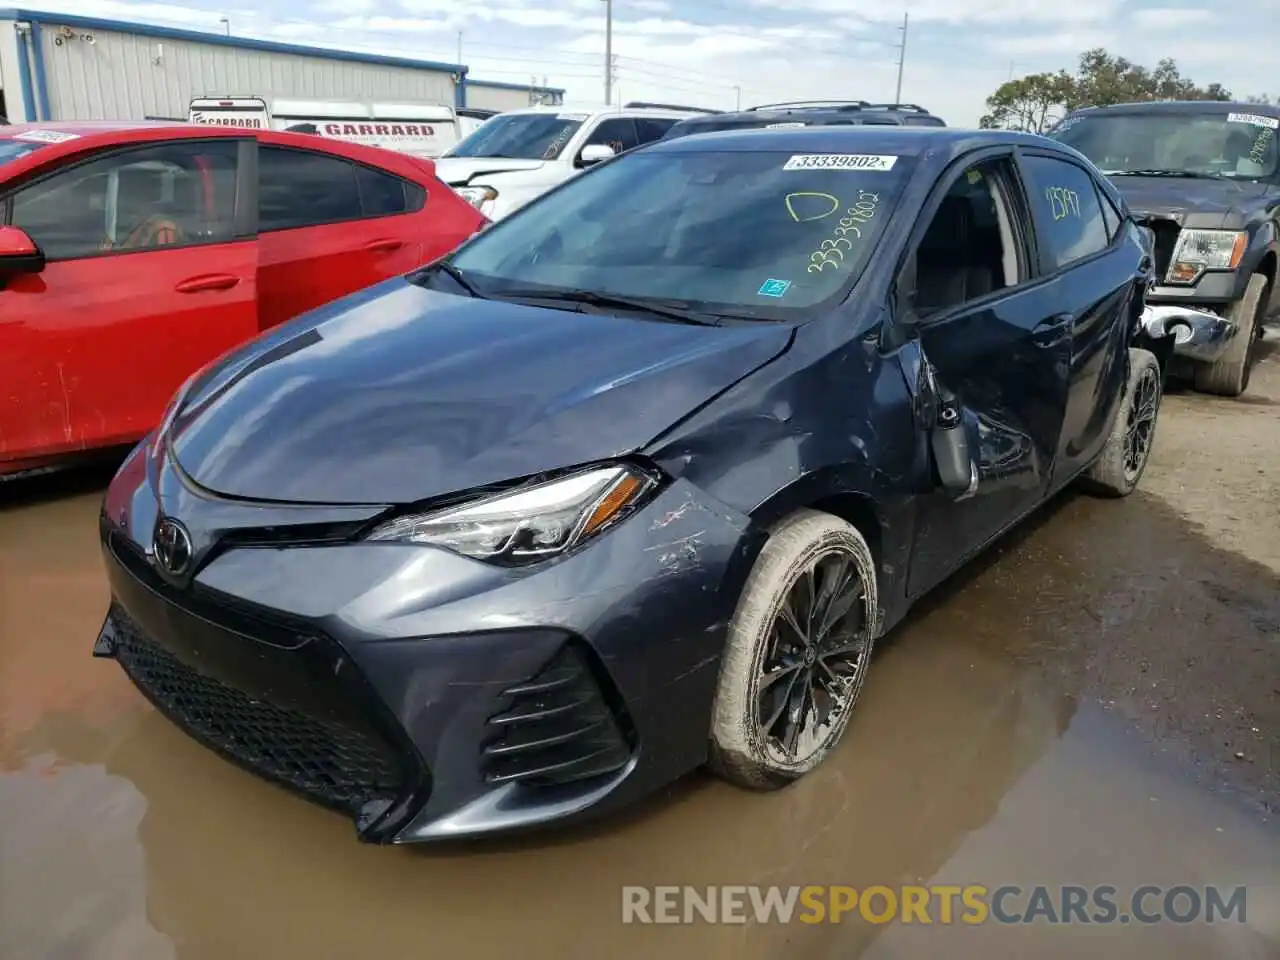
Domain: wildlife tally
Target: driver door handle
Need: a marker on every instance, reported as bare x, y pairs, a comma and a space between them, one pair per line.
384, 246
208, 281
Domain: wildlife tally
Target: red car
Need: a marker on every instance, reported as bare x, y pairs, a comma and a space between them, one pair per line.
132, 254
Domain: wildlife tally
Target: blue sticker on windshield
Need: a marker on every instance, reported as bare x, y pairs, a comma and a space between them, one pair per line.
774, 288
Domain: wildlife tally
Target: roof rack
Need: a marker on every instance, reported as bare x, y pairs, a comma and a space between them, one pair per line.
646, 105
815, 105
904, 107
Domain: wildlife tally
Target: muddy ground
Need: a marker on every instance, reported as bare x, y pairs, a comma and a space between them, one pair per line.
1097, 701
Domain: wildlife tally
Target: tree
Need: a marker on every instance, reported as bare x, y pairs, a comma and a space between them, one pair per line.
1261, 98
1033, 103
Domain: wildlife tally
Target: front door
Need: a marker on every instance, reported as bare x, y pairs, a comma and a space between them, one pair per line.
146, 281
994, 338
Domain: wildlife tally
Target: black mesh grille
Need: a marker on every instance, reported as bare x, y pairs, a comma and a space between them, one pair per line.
557, 727
330, 763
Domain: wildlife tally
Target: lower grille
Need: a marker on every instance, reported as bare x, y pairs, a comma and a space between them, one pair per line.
558, 727
337, 766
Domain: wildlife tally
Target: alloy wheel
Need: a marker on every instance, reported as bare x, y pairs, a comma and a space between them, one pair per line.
815, 658
1141, 424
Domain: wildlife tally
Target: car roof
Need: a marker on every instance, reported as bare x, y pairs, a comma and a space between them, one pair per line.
598, 111
891, 140
1183, 107
818, 112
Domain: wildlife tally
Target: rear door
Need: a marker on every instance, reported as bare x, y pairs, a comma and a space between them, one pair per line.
151, 273
1097, 287
328, 226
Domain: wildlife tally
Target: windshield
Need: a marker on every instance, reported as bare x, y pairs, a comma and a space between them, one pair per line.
13, 149
738, 233
520, 136
1236, 145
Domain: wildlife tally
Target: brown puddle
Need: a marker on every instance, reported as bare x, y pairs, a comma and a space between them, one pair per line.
1068, 711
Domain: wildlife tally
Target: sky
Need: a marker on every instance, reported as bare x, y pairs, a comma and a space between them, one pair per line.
722, 53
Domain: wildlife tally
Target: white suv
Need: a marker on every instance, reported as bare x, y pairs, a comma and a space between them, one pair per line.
517, 156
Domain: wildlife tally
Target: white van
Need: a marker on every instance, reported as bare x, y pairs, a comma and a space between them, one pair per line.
521, 154
420, 129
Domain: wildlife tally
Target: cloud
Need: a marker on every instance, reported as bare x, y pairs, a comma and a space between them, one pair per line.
1169, 18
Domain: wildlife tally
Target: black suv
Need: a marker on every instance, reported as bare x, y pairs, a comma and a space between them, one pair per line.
810, 113
1202, 175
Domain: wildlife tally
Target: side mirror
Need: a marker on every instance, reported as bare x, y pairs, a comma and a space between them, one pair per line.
594, 153
18, 253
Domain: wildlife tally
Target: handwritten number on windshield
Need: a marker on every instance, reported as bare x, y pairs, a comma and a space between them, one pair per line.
830, 251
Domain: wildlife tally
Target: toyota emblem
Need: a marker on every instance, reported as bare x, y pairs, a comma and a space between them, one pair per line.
172, 547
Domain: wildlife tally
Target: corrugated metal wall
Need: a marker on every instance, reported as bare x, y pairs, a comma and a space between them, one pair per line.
497, 98
125, 76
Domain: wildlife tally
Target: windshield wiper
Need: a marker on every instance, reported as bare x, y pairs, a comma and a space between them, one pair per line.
457, 276
1189, 174
676, 310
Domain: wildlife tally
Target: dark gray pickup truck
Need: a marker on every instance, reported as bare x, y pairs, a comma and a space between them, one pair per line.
1202, 175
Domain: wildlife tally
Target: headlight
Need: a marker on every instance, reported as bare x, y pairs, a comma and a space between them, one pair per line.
1201, 250
532, 522
477, 196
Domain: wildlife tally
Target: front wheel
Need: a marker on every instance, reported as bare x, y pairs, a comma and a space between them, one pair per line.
797, 652
1229, 376
1119, 467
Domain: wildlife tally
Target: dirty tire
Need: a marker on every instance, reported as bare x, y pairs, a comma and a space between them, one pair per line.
806, 549
1229, 376
1119, 467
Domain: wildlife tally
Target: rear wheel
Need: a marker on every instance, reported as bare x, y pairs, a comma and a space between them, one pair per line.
1229, 376
798, 650
1118, 469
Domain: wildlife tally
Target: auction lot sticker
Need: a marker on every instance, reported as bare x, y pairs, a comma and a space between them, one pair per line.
1254, 119
839, 161
46, 136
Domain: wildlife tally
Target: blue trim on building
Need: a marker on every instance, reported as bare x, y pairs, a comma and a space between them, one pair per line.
42, 84
219, 40
24, 77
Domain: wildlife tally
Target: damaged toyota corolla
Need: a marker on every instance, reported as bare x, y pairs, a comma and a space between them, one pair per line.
633, 480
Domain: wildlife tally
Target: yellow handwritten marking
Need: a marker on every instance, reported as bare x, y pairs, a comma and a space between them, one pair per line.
1063, 203
790, 198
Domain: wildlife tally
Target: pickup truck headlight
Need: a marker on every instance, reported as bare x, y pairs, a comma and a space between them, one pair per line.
477, 196
1200, 250
531, 522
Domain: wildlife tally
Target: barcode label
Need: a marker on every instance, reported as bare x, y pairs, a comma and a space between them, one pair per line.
839, 161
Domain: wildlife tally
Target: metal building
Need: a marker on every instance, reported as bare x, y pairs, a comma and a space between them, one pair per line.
488, 95
59, 67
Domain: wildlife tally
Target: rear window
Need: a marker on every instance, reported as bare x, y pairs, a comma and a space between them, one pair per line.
13, 149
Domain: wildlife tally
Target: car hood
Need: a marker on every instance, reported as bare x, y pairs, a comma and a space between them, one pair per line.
458, 171
400, 394
1182, 199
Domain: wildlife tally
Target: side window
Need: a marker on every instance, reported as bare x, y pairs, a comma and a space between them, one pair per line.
170, 194
302, 188
1068, 212
617, 132
974, 245
1110, 216
384, 195
653, 128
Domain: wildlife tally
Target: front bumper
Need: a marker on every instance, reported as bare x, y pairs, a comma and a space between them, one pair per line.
425, 695
1198, 334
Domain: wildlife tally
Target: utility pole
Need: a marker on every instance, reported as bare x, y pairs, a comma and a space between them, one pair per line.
608, 52
902, 58
459, 46
226, 23
738, 92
